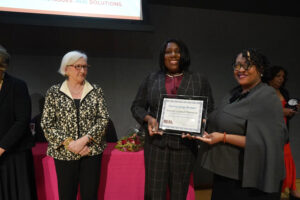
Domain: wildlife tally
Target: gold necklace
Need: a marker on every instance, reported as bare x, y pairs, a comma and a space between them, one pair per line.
174, 75
73, 91
77, 92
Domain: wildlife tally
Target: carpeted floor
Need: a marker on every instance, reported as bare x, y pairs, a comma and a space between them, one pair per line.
205, 194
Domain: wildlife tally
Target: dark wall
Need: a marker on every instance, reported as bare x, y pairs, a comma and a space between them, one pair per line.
121, 59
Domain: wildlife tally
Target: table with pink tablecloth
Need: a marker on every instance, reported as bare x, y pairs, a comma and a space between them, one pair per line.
122, 175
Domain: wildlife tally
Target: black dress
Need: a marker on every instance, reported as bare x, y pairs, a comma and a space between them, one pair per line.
16, 163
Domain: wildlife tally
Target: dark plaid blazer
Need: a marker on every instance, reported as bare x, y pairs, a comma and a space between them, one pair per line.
147, 101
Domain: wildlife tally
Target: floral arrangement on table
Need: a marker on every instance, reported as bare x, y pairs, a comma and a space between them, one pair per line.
131, 143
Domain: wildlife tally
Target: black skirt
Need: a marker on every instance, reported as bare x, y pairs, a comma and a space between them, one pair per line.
226, 188
17, 176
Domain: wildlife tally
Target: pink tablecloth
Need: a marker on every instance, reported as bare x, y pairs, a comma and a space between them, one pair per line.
122, 175
39, 152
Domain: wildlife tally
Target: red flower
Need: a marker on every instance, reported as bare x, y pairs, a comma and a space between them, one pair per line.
130, 143
131, 140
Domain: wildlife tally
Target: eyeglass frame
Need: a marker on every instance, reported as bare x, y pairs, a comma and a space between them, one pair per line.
176, 52
245, 67
79, 67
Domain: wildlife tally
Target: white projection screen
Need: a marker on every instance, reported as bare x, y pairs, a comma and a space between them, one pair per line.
110, 9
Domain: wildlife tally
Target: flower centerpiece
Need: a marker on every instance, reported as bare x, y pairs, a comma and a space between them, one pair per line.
131, 143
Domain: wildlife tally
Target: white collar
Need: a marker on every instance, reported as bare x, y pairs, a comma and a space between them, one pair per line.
86, 89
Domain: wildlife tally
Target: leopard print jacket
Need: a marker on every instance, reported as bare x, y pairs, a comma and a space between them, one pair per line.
59, 119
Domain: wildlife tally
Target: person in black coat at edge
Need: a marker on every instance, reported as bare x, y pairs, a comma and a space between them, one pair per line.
169, 159
16, 162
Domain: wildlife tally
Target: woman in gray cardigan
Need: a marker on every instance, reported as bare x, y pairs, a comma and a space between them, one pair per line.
247, 134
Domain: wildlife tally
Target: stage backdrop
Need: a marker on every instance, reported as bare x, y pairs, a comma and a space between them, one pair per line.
120, 60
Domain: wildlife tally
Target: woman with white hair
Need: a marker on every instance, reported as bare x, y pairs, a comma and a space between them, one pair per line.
74, 121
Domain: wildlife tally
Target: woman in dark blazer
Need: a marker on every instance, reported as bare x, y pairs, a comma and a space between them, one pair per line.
169, 159
16, 163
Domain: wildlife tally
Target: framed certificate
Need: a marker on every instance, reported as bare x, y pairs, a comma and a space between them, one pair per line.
179, 114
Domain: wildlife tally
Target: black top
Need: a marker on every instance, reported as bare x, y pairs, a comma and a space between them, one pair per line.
110, 132
259, 116
38, 131
77, 105
15, 114
147, 100
286, 97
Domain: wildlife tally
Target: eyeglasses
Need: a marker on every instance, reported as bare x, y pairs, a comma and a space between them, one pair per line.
176, 52
238, 66
79, 67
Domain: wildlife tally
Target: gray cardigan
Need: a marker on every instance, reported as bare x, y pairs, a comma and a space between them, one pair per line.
259, 117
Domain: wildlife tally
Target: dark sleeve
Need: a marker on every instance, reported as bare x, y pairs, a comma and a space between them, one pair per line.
206, 91
285, 93
22, 114
111, 134
266, 135
286, 96
140, 105
39, 133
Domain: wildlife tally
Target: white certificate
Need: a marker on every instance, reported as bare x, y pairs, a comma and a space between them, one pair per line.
182, 115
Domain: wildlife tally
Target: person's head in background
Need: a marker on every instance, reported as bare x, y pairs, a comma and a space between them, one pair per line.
275, 76
4, 60
174, 57
248, 67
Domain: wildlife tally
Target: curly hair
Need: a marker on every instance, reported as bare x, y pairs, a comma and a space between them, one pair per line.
256, 58
4, 57
184, 61
271, 72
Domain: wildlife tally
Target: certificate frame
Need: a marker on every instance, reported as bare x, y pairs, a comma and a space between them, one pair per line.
179, 114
